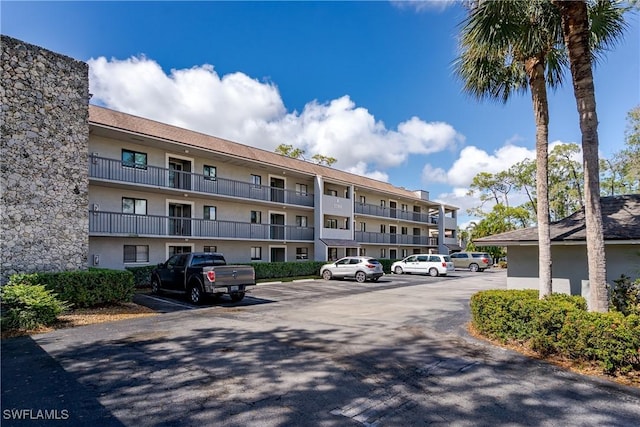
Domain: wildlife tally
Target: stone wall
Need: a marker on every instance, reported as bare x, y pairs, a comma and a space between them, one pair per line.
44, 147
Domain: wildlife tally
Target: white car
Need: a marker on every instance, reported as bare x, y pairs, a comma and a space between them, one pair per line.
361, 268
432, 264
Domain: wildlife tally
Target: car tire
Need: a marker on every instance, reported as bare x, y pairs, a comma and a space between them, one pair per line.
361, 277
195, 294
398, 270
155, 286
473, 267
326, 275
433, 272
237, 296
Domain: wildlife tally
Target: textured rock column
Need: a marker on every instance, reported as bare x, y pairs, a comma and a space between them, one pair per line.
44, 180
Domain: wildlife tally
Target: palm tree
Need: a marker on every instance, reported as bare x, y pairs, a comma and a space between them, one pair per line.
512, 46
579, 33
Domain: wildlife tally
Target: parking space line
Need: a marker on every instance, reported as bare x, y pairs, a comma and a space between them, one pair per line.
190, 307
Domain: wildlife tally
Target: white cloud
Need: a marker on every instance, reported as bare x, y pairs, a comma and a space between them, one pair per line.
245, 110
423, 5
473, 160
431, 175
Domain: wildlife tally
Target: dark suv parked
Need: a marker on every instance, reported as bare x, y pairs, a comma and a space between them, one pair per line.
474, 261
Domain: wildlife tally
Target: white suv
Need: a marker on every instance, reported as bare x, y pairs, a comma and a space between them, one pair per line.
432, 264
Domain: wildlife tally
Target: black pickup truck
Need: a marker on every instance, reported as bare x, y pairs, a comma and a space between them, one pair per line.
201, 274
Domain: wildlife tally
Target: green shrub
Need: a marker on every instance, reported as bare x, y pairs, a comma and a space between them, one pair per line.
141, 275
274, 270
29, 306
549, 318
559, 324
86, 288
504, 314
625, 296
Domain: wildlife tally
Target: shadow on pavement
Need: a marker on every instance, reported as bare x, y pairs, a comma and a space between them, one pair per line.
36, 390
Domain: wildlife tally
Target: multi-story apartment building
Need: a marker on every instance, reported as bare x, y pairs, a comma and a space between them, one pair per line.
156, 189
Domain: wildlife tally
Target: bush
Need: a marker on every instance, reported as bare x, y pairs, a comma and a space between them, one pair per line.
29, 306
625, 296
559, 324
85, 288
141, 275
273, 270
504, 315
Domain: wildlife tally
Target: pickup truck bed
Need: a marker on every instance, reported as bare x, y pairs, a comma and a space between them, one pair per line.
198, 275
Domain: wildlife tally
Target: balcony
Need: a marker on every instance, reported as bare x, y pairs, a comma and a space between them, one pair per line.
395, 239
119, 224
386, 212
114, 170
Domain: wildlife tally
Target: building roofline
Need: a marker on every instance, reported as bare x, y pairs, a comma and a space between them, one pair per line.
123, 122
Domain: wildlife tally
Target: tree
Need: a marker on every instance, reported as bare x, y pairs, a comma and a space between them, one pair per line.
298, 153
578, 34
507, 47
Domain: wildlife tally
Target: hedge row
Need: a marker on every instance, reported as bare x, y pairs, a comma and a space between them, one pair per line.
559, 324
82, 289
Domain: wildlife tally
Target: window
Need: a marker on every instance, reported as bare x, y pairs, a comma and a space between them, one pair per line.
363, 226
256, 253
363, 252
383, 203
333, 254
134, 206
210, 249
332, 193
383, 252
302, 253
404, 253
173, 250
404, 230
136, 253
256, 180
383, 228
302, 189
404, 208
133, 159
363, 200
256, 217
210, 173
209, 213
301, 221
332, 223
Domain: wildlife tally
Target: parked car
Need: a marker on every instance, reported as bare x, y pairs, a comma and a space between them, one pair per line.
474, 261
201, 274
432, 264
360, 268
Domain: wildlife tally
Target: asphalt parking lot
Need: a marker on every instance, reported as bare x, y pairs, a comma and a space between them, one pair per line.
337, 353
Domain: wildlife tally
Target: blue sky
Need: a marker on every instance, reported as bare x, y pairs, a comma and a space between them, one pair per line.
370, 83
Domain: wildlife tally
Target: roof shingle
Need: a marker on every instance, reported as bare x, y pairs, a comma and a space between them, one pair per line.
620, 221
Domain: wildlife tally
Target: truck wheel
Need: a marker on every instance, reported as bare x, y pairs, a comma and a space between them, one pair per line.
155, 285
473, 267
361, 277
195, 294
326, 275
237, 296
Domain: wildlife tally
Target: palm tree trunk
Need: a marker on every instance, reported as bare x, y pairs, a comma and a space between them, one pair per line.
535, 71
575, 26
